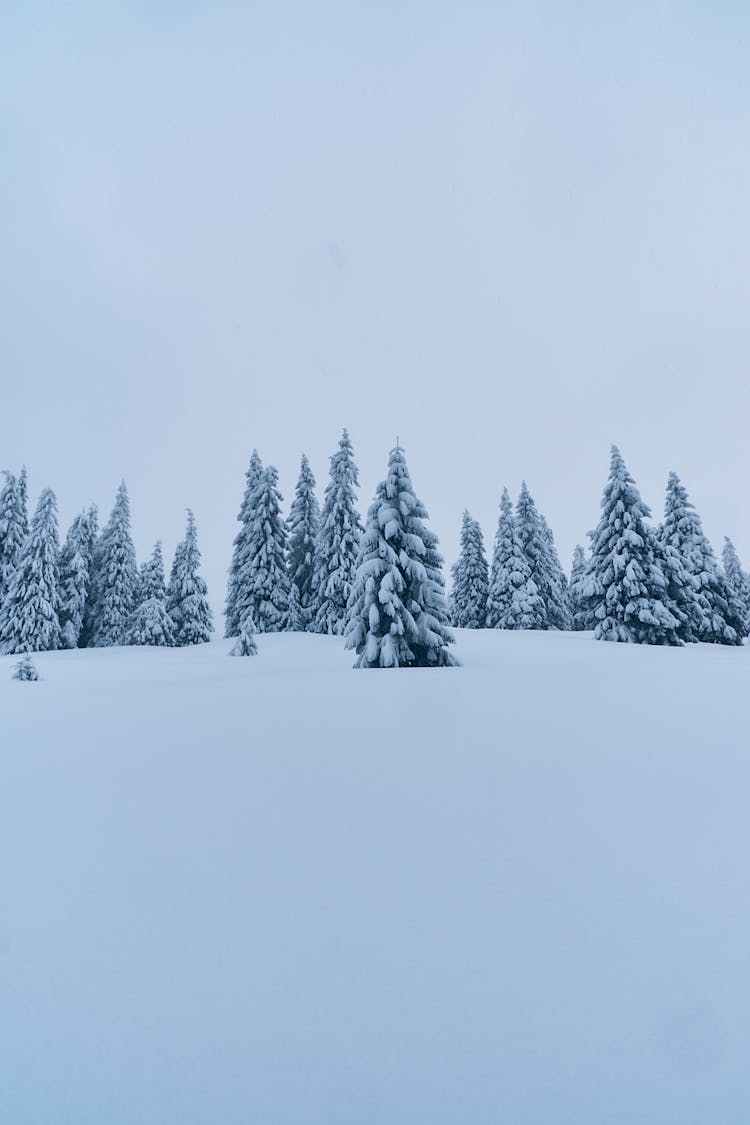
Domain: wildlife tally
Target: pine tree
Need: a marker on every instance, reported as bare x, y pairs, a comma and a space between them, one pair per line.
296, 621
513, 601
151, 577
25, 670
337, 548
701, 592
13, 527
187, 595
304, 525
237, 594
581, 617
150, 623
470, 579
737, 580
28, 618
245, 645
537, 544
75, 577
262, 580
626, 589
89, 610
115, 578
398, 614
558, 604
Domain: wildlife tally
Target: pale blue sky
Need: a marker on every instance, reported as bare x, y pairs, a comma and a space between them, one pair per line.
511, 233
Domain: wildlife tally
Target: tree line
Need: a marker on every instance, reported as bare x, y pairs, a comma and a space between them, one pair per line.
380, 584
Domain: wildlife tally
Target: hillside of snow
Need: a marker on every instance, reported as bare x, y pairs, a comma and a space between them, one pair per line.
276, 890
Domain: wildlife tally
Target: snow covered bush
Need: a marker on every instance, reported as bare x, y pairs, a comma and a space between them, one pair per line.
245, 645
25, 670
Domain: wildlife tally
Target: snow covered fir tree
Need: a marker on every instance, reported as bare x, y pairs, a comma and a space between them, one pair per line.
187, 596
76, 561
29, 619
338, 543
114, 578
513, 600
13, 526
25, 670
712, 612
304, 526
260, 584
238, 595
737, 579
246, 644
537, 545
470, 574
581, 618
626, 589
398, 613
150, 623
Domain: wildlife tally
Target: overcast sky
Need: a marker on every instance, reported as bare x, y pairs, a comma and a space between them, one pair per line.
510, 233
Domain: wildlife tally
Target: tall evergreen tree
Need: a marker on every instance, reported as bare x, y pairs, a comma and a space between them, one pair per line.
558, 602
398, 613
737, 580
712, 613
187, 595
626, 589
262, 580
304, 525
513, 601
89, 610
75, 577
237, 593
115, 577
538, 546
13, 528
580, 616
28, 618
151, 577
296, 620
470, 579
337, 548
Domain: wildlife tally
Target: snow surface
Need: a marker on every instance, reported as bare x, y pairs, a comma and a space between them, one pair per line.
277, 890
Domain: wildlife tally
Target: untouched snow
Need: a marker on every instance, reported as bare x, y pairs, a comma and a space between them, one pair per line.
275, 890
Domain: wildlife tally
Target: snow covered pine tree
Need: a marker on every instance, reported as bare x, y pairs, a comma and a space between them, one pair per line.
737, 579
537, 544
580, 617
513, 601
187, 595
713, 614
150, 623
245, 645
75, 576
625, 589
398, 614
13, 527
25, 670
304, 525
28, 617
337, 547
114, 578
262, 581
237, 593
470, 579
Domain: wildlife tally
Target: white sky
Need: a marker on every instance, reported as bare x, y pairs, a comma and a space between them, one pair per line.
510, 233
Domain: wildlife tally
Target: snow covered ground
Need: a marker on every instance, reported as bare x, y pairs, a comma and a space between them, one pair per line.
279, 891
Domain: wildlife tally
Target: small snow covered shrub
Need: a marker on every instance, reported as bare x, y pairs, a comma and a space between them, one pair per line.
25, 670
